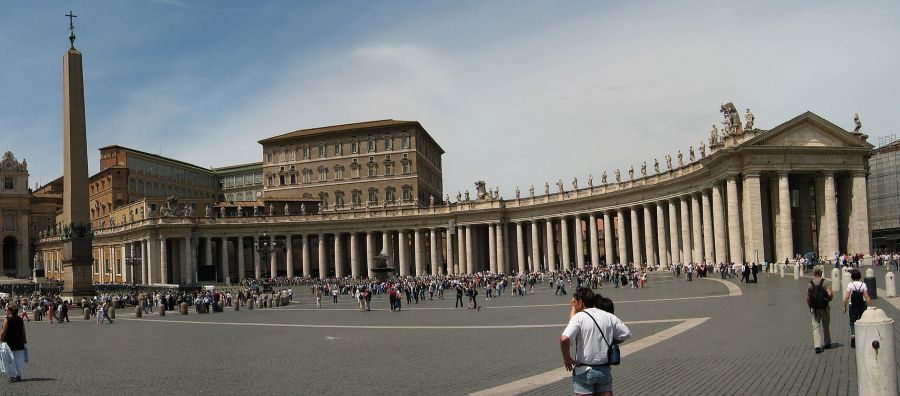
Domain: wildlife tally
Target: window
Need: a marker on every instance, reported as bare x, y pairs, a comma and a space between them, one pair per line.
338, 173
293, 178
388, 169
354, 173
338, 149
371, 145
323, 200
269, 157
373, 195
406, 168
405, 155
404, 142
323, 151
281, 156
354, 147
323, 175
339, 199
293, 153
372, 170
407, 193
280, 180
356, 197
271, 181
8, 183
306, 177
389, 194
388, 143
371, 158
306, 153
10, 222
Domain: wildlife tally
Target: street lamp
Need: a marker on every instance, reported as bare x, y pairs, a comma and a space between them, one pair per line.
266, 246
132, 262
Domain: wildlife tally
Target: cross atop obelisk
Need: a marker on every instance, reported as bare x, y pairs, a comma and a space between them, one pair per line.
71, 28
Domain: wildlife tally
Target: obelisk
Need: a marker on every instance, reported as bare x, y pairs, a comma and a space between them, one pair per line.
77, 235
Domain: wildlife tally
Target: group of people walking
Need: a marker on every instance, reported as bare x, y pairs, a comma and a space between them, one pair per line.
818, 298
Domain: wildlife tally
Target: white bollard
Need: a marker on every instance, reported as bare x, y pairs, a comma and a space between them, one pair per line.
890, 289
835, 281
845, 281
876, 369
870, 273
796, 271
781, 269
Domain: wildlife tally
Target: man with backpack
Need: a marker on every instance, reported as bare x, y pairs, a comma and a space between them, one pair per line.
858, 296
818, 295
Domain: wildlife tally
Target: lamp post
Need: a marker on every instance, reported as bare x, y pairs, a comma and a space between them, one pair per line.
266, 246
132, 262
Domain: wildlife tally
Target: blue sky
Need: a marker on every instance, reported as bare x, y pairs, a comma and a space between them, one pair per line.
517, 93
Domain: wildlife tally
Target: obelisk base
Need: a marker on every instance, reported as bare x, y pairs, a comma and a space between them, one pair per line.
78, 263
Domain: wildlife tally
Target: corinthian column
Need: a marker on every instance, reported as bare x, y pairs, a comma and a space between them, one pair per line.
520, 247
648, 236
579, 242
608, 237
830, 228
492, 247
535, 246
784, 222
697, 236
735, 240
686, 250
635, 235
623, 237
661, 236
673, 233
564, 235
551, 254
754, 223
707, 228
858, 238
720, 254
595, 240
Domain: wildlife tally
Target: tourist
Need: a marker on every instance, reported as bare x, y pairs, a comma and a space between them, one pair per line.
13, 336
459, 295
857, 295
817, 298
318, 297
594, 331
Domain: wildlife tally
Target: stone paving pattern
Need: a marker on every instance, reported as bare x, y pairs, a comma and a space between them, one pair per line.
758, 343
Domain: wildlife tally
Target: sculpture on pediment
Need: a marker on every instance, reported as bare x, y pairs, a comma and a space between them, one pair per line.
559, 186
691, 154
631, 173
240, 211
669, 161
517, 192
702, 150
458, 196
618, 176
546, 188
748, 116
603, 178
857, 122
10, 164
644, 168
531, 191
467, 196
446, 199
591, 181
656, 165
287, 209
713, 136
188, 210
496, 192
480, 191
171, 204
208, 211
680, 159
574, 183
732, 118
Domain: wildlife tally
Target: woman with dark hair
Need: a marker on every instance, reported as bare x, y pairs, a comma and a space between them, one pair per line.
13, 335
594, 332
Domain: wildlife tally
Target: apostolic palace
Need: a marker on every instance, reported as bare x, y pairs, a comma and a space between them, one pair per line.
326, 201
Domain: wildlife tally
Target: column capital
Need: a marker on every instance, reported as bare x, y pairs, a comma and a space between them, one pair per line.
749, 174
826, 173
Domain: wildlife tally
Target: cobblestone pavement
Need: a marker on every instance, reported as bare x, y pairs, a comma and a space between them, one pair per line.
756, 343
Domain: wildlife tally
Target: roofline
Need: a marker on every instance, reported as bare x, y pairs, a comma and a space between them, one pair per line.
229, 167
417, 124
157, 156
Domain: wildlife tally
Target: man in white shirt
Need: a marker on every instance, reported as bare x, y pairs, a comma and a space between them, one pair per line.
857, 295
593, 331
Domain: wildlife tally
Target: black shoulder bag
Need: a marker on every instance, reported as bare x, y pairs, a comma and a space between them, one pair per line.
613, 354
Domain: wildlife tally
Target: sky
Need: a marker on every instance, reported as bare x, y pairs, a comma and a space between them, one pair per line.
517, 93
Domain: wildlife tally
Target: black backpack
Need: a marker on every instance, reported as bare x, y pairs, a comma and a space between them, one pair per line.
817, 296
856, 298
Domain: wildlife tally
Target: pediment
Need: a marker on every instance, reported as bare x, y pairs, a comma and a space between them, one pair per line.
808, 130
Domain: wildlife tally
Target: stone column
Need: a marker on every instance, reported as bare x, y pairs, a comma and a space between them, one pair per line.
403, 252
535, 246
289, 255
355, 270
579, 242
804, 223
163, 261
338, 255
102, 270
719, 253
674, 246
207, 250
564, 235
419, 250
551, 247
120, 265
754, 209
784, 222
708, 244
858, 240
623, 238
735, 240
595, 240
520, 247
370, 253
502, 259
323, 261
492, 247
239, 249
775, 219
145, 259
648, 237
304, 253
661, 237
461, 249
686, 251
636, 236
273, 258
608, 237
470, 251
187, 267
257, 270
434, 235
451, 262
388, 247
820, 218
696, 222
226, 268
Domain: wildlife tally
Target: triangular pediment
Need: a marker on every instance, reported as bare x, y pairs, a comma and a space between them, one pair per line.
808, 130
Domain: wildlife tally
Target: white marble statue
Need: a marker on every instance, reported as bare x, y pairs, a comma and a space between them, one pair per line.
574, 183
656, 165
691, 154
857, 122
603, 178
287, 209
702, 150
531, 191
559, 186
713, 135
631, 173
618, 176
750, 118
680, 159
546, 188
517, 192
591, 181
644, 168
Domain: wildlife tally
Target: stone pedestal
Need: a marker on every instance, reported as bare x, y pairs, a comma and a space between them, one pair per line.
138, 312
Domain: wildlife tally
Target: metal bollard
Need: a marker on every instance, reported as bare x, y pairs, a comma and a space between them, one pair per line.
890, 288
237, 305
184, 308
87, 314
796, 271
835, 281
875, 358
871, 284
138, 312
162, 310
781, 269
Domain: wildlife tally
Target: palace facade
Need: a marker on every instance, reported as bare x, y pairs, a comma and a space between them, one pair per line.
753, 195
